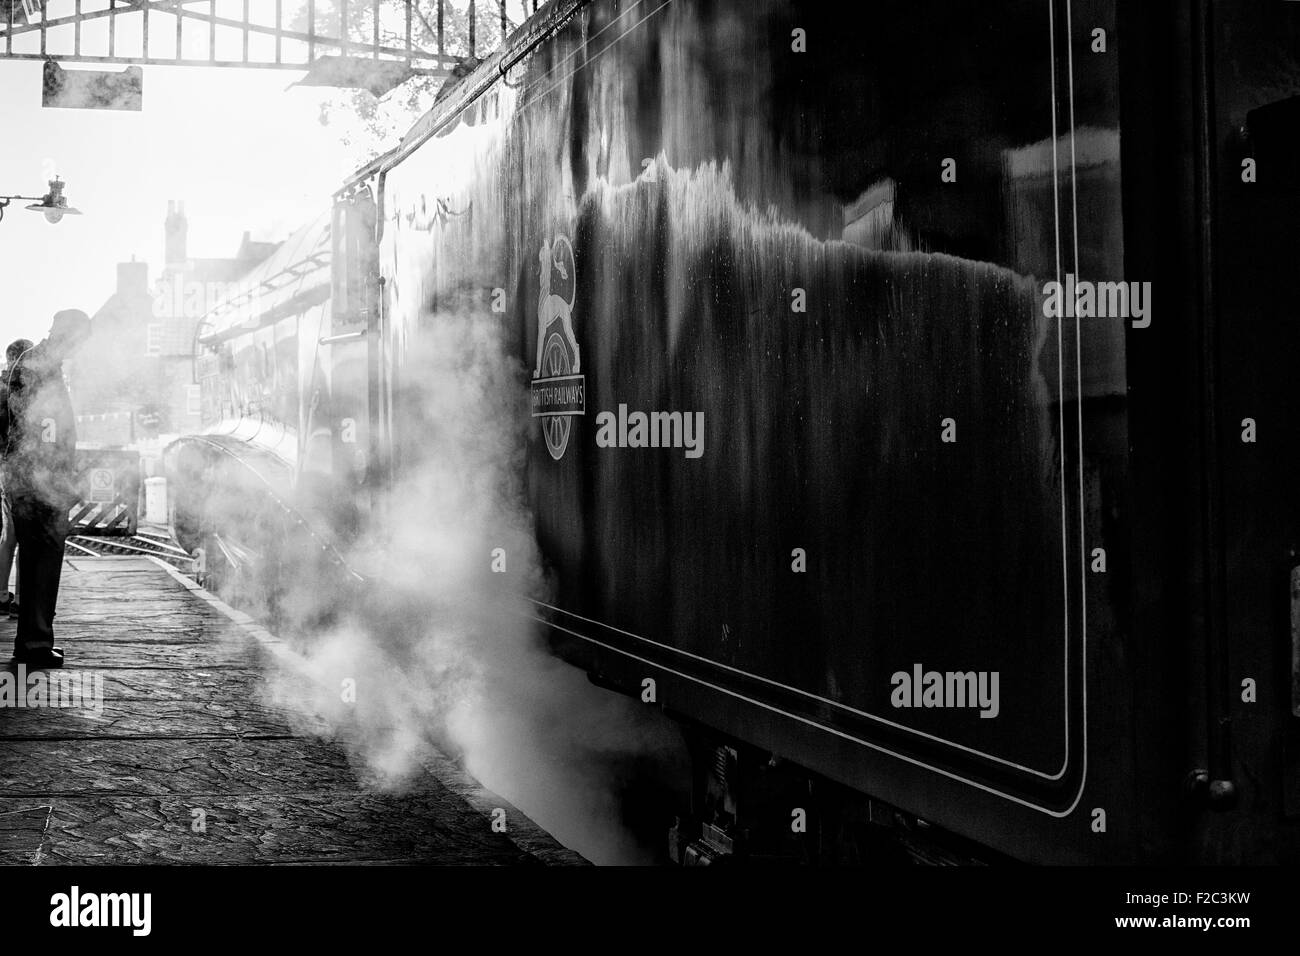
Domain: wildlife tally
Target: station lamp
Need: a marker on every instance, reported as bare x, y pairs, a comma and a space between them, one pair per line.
53, 205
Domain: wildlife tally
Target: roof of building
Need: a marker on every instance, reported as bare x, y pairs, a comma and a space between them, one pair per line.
297, 273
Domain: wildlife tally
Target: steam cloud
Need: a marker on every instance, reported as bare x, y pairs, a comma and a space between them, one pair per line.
445, 653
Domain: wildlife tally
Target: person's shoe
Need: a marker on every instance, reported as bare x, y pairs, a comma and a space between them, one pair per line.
50, 659
9, 604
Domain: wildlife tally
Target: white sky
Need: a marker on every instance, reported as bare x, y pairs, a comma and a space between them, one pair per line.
240, 150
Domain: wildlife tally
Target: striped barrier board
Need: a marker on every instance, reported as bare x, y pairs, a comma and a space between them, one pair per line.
109, 483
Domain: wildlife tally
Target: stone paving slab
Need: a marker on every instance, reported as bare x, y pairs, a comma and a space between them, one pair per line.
177, 683
185, 726
99, 653
429, 826
189, 719
73, 767
22, 833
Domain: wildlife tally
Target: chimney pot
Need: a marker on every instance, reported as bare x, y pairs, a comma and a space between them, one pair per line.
174, 230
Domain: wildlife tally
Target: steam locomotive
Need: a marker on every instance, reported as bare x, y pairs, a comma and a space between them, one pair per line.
910, 409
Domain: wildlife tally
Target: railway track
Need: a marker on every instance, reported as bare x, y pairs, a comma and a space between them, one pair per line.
153, 543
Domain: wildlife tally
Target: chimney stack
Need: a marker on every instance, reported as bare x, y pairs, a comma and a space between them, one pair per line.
175, 229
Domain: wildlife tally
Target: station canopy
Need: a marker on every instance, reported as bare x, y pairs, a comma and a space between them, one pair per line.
363, 44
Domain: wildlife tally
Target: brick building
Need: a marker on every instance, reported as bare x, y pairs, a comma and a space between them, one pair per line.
133, 384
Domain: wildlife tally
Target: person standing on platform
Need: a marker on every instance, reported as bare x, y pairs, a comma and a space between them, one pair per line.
39, 441
8, 537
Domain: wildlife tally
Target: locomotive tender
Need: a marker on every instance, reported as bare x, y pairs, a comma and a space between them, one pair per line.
911, 542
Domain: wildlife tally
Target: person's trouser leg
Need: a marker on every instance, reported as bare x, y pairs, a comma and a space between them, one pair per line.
41, 534
8, 541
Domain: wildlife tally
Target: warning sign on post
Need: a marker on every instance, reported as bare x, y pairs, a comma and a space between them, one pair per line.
108, 487
102, 485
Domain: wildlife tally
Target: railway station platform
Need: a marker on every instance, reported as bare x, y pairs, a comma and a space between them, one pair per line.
164, 750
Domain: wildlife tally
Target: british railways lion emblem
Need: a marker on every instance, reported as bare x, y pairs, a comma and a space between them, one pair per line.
558, 391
